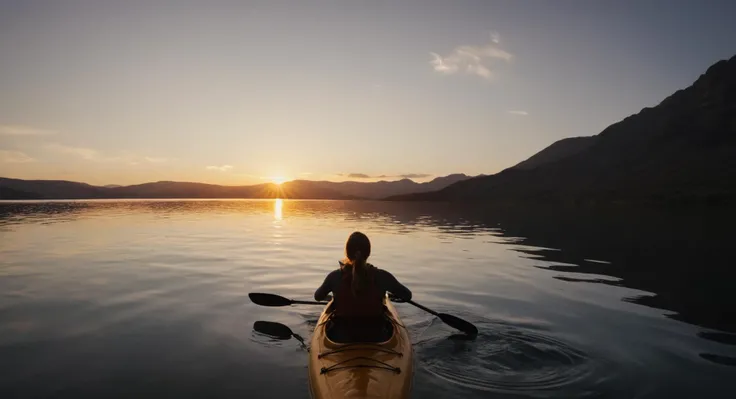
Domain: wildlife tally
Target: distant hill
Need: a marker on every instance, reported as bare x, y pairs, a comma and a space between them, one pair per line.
298, 189
383, 189
7, 193
682, 150
50, 189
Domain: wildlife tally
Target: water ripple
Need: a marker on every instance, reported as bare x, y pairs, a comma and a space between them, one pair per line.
509, 359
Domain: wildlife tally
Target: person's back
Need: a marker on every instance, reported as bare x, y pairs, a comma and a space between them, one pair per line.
359, 288
366, 303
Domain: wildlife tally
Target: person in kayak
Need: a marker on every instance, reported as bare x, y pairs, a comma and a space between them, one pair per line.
358, 289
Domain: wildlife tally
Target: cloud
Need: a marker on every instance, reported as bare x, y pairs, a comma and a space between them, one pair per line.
221, 168
359, 176
82, 152
472, 60
517, 112
93, 155
495, 37
19, 130
14, 157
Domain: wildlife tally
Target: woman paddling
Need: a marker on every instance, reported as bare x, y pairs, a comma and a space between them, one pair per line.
358, 290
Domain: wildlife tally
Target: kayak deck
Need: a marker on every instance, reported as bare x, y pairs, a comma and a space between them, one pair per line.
361, 370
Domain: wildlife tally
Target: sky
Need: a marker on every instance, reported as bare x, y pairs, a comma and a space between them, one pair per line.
242, 92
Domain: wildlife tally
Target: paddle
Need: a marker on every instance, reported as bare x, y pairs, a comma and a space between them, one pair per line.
277, 300
277, 330
450, 320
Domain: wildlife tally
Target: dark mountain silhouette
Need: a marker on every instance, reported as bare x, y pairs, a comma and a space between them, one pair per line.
383, 189
439, 183
682, 150
7, 193
50, 189
558, 150
298, 189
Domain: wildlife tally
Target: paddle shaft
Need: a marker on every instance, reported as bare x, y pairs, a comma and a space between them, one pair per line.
300, 339
424, 308
453, 321
307, 303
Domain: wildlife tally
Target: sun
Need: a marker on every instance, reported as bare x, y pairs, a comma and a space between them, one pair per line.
279, 180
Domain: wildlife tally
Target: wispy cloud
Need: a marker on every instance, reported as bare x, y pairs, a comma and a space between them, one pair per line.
81, 152
221, 168
403, 176
14, 157
517, 112
20, 130
472, 60
93, 155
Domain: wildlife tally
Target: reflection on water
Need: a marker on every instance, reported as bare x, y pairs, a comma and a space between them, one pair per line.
149, 298
278, 209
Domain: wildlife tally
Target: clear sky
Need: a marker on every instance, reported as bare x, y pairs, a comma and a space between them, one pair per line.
239, 92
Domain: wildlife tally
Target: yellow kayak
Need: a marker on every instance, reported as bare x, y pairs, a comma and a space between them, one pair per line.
361, 370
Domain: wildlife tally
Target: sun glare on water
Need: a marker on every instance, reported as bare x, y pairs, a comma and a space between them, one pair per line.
278, 209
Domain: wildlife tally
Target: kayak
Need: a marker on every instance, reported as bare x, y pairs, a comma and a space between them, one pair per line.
364, 369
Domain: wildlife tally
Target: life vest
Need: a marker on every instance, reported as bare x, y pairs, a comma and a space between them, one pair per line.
367, 304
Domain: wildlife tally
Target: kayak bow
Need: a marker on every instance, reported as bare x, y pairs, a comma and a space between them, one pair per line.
361, 370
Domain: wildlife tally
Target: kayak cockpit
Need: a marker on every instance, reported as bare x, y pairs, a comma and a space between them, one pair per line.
346, 331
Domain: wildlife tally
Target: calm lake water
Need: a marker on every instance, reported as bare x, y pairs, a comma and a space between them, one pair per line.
148, 299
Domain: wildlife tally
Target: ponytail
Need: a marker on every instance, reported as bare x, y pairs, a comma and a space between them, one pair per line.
357, 251
360, 271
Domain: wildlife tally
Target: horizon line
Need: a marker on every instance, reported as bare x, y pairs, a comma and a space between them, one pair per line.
365, 181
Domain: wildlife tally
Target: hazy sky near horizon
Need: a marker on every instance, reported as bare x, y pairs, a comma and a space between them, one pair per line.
239, 92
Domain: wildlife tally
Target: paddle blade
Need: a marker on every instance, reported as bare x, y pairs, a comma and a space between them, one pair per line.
458, 323
269, 299
273, 329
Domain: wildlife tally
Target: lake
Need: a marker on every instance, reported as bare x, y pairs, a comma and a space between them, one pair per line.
148, 299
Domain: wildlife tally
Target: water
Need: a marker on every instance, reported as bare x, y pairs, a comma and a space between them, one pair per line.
149, 298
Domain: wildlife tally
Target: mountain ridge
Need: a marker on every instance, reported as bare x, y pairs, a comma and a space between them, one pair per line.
682, 150
297, 189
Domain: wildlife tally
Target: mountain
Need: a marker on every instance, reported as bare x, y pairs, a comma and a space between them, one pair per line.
439, 183
682, 150
50, 189
383, 189
7, 193
53, 189
297, 189
558, 150
170, 189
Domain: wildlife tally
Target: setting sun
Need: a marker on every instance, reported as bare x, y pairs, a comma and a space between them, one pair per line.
278, 180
